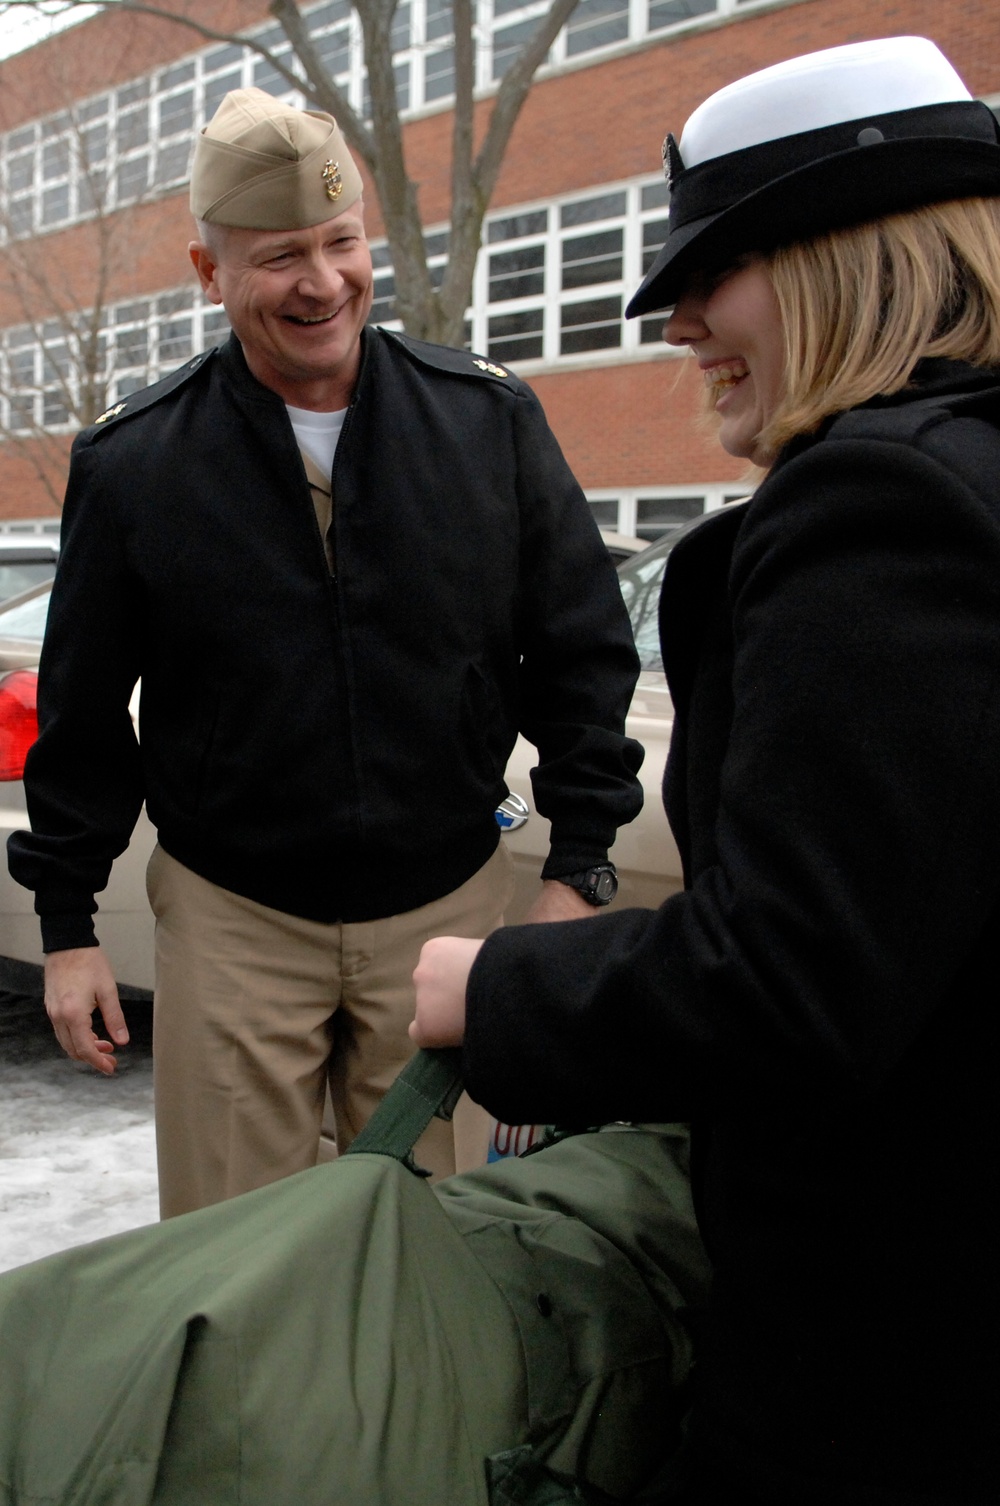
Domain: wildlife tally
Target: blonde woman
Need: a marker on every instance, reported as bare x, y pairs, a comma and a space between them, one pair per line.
821, 1000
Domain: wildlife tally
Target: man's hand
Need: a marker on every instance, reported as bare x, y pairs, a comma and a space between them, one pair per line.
441, 978
558, 902
77, 982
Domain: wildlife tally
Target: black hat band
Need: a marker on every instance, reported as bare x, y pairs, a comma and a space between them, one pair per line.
713, 186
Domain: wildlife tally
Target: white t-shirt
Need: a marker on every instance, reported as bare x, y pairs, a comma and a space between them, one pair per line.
317, 434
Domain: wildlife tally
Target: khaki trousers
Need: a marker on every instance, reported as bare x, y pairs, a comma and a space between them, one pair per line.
256, 1012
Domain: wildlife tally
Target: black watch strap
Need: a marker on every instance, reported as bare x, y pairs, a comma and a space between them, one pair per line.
597, 885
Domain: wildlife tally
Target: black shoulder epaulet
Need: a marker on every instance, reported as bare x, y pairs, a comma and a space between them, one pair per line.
137, 402
456, 362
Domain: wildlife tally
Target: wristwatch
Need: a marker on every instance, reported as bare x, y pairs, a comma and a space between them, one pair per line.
597, 885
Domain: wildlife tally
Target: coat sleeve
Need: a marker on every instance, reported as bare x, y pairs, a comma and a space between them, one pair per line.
578, 660
82, 778
853, 863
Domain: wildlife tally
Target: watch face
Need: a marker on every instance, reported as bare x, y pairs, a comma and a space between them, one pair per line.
606, 886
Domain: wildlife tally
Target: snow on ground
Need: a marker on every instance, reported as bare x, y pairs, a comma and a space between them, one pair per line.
76, 1149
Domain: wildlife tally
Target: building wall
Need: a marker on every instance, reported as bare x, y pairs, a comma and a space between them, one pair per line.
607, 121
629, 417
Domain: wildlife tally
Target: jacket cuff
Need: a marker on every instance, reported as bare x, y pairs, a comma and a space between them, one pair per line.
60, 933
572, 856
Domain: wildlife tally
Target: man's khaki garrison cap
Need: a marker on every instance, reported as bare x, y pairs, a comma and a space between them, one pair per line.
262, 165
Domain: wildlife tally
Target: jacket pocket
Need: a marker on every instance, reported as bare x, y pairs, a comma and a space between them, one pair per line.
482, 725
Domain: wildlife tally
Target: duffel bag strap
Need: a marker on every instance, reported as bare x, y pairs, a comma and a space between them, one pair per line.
429, 1084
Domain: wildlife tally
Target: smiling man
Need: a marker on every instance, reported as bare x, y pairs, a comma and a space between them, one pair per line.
349, 567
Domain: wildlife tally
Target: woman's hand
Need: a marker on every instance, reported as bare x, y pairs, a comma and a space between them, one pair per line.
440, 978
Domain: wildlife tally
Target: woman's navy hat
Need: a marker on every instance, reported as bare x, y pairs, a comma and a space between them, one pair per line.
814, 144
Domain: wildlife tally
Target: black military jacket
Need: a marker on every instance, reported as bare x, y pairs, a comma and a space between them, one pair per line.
331, 746
822, 999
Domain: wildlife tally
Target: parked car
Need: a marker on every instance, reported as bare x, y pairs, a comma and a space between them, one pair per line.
644, 853
126, 925
25, 561
621, 546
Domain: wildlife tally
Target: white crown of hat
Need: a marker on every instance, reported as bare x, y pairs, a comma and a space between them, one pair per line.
820, 89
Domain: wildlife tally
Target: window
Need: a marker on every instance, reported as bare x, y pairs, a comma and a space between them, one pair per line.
21, 172
656, 516
383, 310
177, 113
552, 282
175, 341
93, 144
21, 381
216, 89
439, 74
508, 41
652, 513
596, 23
664, 13
55, 160
334, 50
132, 179
588, 259
131, 347
641, 579
118, 146
516, 337
143, 340
55, 205
132, 129
172, 163
55, 411
91, 191
592, 325
517, 274
215, 327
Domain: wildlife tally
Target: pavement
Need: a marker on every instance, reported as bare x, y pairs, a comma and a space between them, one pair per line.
77, 1156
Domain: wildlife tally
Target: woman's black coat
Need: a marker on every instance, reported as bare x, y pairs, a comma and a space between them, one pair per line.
822, 999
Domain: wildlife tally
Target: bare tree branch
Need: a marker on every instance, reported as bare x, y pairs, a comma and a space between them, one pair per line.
319, 87
66, 324
513, 92
164, 13
435, 314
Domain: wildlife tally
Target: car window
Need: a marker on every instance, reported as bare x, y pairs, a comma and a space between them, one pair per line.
21, 575
26, 619
640, 579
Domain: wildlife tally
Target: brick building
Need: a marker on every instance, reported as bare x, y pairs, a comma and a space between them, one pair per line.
110, 108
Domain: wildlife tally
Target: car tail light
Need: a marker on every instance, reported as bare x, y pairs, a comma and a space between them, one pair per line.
18, 720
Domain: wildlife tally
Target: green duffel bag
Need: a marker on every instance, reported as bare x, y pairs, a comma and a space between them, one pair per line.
351, 1336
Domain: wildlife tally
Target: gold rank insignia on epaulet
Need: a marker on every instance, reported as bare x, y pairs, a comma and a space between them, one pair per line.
493, 370
111, 413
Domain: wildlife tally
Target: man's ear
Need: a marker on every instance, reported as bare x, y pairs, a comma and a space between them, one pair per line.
205, 265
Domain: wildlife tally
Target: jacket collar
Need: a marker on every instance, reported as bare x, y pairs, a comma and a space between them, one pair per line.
697, 568
242, 379
935, 377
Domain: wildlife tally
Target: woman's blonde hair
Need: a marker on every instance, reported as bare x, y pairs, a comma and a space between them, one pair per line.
861, 307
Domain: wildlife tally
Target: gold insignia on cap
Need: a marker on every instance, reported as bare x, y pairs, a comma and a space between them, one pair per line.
493, 370
111, 413
334, 182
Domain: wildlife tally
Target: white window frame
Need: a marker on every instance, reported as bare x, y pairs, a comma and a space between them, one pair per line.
153, 316
644, 203
206, 65
714, 495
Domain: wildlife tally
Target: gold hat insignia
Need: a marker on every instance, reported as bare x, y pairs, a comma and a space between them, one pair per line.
334, 182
